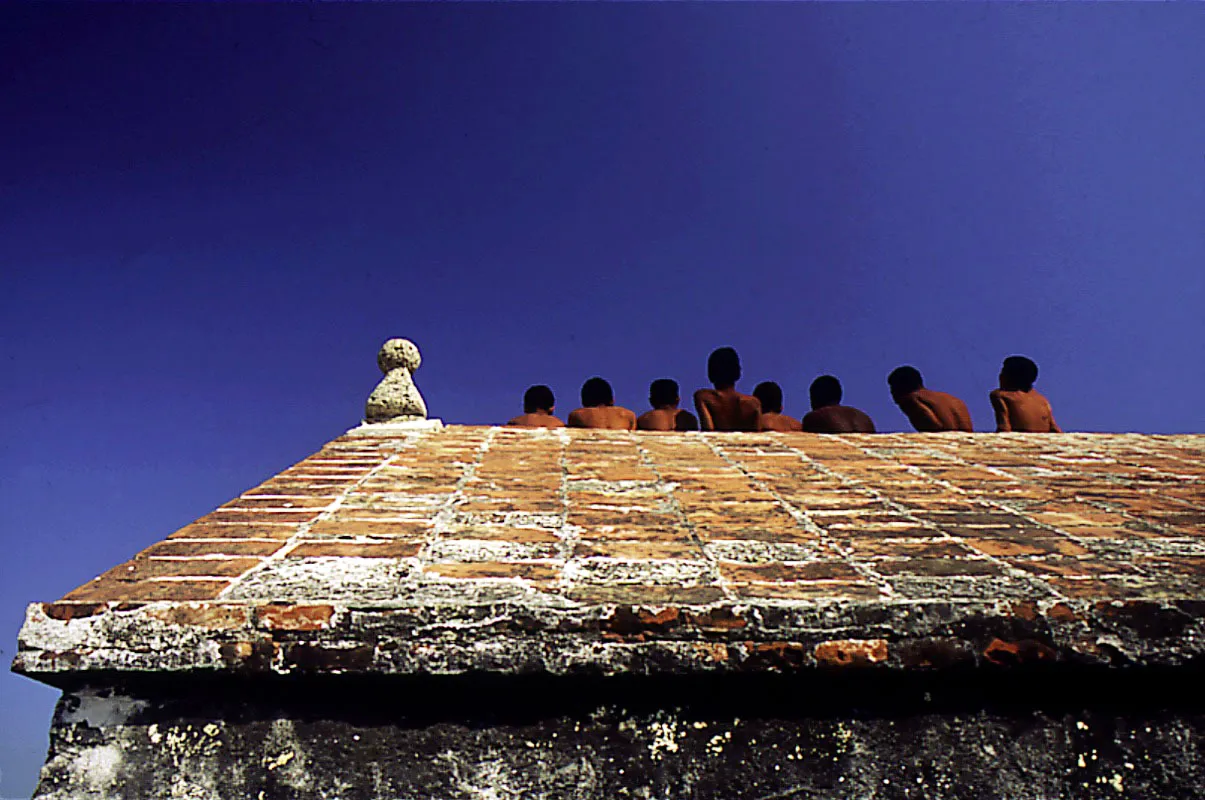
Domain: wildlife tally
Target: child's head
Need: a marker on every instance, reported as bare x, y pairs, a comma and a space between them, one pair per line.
770, 395
904, 380
825, 391
663, 392
1018, 374
724, 367
538, 398
597, 392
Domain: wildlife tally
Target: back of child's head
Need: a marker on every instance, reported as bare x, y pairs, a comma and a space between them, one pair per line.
1018, 374
825, 391
663, 392
905, 379
538, 398
597, 392
724, 367
770, 395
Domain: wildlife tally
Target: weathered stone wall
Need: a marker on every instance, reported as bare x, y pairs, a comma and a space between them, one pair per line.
1042, 736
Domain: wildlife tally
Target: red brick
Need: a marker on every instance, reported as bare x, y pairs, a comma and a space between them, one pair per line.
1026, 546
151, 590
637, 550
495, 569
1024, 651
294, 617
143, 568
408, 530
69, 611
260, 516
212, 547
851, 652
780, 572
329, 549
215, 530
207, 616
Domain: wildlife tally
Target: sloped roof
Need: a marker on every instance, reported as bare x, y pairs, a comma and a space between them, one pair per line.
410, 549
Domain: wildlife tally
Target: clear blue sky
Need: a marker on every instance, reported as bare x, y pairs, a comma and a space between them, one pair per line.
211, 217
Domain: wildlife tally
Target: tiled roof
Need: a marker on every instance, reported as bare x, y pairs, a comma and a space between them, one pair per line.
444, 550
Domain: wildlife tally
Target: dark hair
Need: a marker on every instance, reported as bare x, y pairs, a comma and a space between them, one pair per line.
538, 398
770, 395
905, 379
825, 391
1018, 373
724, 367
663, 392
597, 392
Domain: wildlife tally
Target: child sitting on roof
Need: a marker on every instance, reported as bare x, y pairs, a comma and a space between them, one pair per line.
724, 408
666, 416
599, 409
538, 404
828, 415
1018, 407
769, 394
927, 410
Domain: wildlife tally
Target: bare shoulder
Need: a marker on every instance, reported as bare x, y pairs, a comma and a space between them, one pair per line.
685, 421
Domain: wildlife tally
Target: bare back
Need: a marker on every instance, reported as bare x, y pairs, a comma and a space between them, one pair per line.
773, 421
667, 419
837, 419
614, 418
1023, 411
727, 410
536, 419
930, 411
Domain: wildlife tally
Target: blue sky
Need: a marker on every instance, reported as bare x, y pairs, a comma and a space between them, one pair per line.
212, 216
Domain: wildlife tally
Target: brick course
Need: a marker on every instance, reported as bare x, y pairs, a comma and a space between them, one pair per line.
573, 519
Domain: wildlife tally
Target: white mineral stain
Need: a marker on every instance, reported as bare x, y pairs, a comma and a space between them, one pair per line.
1115, 782
665, 736
96, 767
279, 761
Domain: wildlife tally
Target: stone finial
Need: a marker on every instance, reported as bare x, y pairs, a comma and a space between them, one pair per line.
396, 398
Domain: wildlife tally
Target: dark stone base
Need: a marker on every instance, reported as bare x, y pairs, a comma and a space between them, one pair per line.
1017, 735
